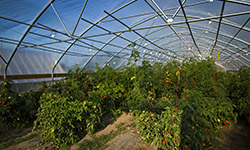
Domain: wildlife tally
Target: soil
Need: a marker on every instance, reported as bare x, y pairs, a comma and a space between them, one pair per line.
26, 145
124, 120
10, 134
129, 140
236, 137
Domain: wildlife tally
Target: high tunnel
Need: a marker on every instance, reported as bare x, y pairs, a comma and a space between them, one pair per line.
51, 36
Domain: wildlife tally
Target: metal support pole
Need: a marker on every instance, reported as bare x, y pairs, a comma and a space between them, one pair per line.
53, 30
23, 23
221, 34
60, 19
226, 48
147, 45
122, 37
77, 22
44, 48
165, 19
149, 13
147, 53
127, 45
108, 31
33, 45
141, 28
189, 28
178, 9
3, 59
148, 30
201, 33
100, 49
230, 51
238, 2
236, 35
75, 40
192, 21
121, 32
218, 30
1, 55
228, 36
135, 31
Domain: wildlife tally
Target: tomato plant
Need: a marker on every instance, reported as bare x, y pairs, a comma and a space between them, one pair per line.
163, 129
177, 105
17, 110
238, 85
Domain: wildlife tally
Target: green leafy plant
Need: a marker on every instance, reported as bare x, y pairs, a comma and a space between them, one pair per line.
177, 105
62, 118
163, 129
17, 110
238, 85
202, 118
99, 142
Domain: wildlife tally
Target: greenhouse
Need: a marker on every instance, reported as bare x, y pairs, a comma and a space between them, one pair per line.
125, 74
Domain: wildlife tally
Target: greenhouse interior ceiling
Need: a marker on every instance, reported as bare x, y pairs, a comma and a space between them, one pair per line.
51, 36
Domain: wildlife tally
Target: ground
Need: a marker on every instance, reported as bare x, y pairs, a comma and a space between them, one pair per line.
236, 137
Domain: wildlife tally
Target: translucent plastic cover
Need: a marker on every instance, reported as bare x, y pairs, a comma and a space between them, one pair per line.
51, 36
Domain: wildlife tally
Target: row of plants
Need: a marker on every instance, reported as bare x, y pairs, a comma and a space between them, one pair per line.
176, 106
17, 110
194, 106
238, 88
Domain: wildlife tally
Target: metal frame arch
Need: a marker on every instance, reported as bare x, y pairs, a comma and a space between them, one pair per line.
85, 31
24, 35
156, 26
221, 47
228, 36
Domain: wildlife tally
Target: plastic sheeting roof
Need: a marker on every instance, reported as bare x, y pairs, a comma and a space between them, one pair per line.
47, 36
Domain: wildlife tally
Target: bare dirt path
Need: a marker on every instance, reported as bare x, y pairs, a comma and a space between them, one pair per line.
235, 138
127, 140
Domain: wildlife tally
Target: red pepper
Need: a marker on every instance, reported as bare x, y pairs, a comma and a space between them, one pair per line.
169, 80
163, 142
207, 129
225, 124
105, 97
3, 103
227, 121
9, 107
87, 82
